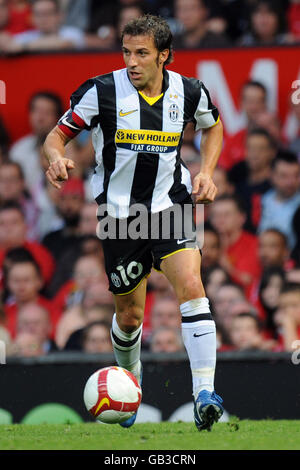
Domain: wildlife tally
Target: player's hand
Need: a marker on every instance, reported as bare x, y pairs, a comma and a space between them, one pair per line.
204, 188
58, 171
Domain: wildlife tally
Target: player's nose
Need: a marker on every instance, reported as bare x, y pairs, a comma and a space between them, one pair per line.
132, 61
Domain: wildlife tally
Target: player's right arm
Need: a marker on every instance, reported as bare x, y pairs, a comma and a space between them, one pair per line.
84, 107
54, 149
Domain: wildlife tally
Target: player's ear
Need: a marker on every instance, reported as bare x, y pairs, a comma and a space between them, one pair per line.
163, 56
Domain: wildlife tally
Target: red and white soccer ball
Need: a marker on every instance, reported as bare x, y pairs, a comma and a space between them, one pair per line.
112, 395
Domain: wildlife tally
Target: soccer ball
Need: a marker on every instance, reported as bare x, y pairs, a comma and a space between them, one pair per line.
112, 395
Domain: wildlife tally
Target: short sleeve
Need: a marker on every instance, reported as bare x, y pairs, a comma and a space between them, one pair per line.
206, 115
84, 108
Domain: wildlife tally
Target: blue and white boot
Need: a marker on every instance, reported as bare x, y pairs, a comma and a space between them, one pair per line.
208, 410
130, 421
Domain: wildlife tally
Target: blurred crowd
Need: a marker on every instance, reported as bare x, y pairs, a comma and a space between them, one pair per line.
54, 290
38, 25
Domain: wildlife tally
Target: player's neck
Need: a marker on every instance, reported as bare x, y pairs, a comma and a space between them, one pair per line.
153, 87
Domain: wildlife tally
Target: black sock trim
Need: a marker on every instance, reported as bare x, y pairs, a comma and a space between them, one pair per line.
125, 344
194, 318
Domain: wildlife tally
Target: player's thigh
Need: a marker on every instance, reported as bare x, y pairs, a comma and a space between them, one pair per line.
183, 271
130, 307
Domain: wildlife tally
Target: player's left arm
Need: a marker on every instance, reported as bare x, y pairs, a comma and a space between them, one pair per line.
211, 145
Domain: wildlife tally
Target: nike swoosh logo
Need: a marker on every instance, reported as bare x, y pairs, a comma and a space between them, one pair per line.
66, 123
104, 401
203, 334
182, 241
121, 114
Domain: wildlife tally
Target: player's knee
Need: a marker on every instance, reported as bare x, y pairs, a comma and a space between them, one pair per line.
130, 319
191, 288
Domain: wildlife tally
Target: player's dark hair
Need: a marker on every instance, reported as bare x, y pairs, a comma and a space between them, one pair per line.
263, 133
155, 26
48, 95
285, 156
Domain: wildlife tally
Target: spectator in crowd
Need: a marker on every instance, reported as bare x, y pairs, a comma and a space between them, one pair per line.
288, 316
247, 333
126, 14
89, 287
166, 340
295, 254
239, 247
15, 16
95, 313
213, 278
12, 188
76, 13
12, 256
165, 312
34, 319
293, 18
4, 17
267, 25
96, 338
88, 219
211, 250
13, 234
48, 33
273, 249
280, 203
252, 176
4, 333
4, 142
45, 108
222, 181
293, 136
69, 205
270, 285
24, 284
88, 270
253, 103
27, 345
189, 152
227, 296
193, 15
159, 284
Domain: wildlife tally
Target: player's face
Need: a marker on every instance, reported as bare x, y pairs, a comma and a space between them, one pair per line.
143, 61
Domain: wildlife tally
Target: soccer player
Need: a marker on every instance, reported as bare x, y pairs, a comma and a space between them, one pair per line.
137, 116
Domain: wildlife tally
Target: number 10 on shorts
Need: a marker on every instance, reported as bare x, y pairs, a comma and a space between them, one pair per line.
129, 271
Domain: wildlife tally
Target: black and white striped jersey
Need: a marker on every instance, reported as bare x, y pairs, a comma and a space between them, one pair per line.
137, 139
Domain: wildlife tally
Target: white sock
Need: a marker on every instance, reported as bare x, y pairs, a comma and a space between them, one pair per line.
127, 348
199, 337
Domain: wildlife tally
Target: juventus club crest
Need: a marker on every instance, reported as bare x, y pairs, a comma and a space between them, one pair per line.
115, 280
173, 112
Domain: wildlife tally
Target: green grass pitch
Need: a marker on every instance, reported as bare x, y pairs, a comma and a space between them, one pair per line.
235, 435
